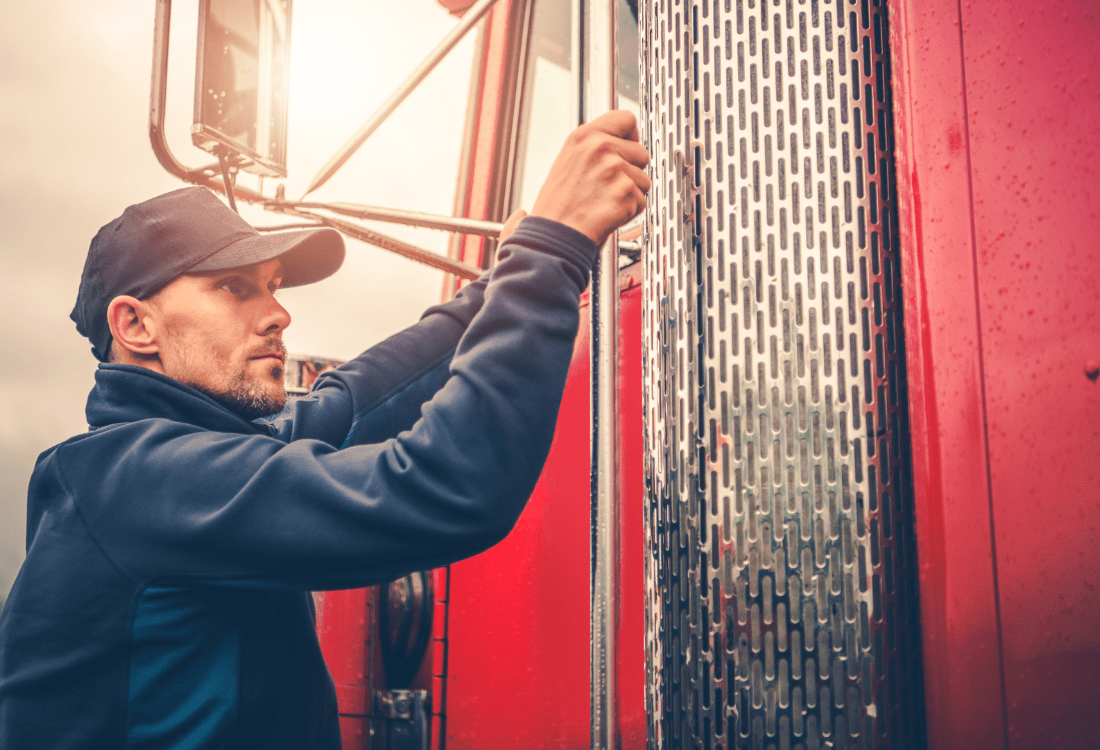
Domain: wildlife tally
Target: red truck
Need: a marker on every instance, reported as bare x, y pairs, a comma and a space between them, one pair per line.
858, 393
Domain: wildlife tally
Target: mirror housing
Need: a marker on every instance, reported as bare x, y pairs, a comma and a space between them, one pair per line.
242, 77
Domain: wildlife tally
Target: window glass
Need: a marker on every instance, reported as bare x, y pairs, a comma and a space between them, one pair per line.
550, 108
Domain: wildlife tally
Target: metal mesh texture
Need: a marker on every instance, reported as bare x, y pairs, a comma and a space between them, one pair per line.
780, 557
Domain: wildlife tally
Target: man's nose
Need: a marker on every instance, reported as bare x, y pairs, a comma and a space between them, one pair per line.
275, 317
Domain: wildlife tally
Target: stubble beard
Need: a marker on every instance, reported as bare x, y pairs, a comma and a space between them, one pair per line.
247, 397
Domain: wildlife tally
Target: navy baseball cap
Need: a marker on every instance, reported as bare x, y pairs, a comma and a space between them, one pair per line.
187, 231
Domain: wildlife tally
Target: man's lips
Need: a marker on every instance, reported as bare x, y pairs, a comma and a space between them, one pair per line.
274, 356
276, 351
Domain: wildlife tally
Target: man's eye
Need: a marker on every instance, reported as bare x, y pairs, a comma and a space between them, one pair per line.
233, 286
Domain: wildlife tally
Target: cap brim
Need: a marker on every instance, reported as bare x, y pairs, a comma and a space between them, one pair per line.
307, 255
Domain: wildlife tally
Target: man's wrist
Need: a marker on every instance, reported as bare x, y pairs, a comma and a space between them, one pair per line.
556, 237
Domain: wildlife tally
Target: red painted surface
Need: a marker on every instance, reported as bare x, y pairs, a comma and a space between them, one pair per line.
484, 125
519, 630
458, 7
342, 630
995, 105
489, 106
1032, 79
434, 670
958, 605
630, 662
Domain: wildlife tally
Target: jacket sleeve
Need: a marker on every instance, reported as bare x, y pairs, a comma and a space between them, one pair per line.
379, 394
254, 510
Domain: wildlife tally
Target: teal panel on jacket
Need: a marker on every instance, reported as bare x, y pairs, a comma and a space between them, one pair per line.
183, 688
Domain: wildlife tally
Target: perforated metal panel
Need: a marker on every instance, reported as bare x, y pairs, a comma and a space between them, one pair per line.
780, 580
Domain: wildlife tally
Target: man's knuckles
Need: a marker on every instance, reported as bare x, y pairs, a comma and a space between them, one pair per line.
595, 144
619, 122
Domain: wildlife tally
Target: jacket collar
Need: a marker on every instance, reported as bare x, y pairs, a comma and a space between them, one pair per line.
125, 393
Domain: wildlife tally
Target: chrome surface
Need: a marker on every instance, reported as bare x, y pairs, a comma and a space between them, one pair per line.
597, 97
394, 245
401, 216
402, 720
469, 20
780, 577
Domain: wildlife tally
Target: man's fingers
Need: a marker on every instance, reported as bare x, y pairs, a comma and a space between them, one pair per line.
633, 152
639, 176
511, 223
598, 181
620, 123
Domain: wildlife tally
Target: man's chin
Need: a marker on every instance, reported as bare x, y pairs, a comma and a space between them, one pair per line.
270, 407
249, 400
266, 404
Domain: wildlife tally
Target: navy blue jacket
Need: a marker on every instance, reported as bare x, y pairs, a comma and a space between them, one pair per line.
164, 599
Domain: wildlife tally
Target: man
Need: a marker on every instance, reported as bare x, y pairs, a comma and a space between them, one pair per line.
164, 599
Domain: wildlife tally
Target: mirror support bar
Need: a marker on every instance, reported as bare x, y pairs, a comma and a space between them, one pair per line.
412, 252
400, 216
469, 20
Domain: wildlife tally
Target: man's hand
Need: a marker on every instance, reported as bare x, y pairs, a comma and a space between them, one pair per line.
511, 223
598, 182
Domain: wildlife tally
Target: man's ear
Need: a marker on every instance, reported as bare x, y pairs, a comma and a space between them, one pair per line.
132, 327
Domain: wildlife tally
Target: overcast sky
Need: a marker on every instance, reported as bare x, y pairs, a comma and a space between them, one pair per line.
74, 87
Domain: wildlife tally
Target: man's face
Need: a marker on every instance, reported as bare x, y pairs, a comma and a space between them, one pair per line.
220, 332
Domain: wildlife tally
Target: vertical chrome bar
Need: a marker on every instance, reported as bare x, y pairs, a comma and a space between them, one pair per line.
576, 10
597, 97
